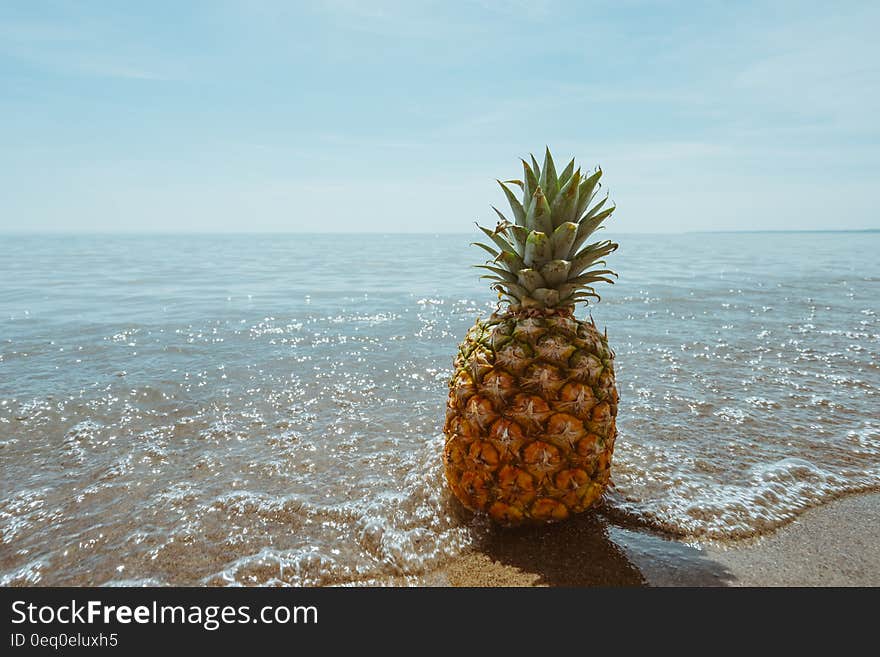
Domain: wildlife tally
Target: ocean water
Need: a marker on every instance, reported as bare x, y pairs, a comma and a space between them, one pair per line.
267, 409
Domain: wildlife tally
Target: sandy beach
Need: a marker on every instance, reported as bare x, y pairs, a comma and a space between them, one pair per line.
837, 544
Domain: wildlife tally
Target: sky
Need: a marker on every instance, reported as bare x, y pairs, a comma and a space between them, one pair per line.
397, 116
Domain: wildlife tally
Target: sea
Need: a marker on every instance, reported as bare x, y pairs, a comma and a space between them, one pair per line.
267, 409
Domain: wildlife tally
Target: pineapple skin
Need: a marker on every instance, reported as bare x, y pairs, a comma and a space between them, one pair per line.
531, 417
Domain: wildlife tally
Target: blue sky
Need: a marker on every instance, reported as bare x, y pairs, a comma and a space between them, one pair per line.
397, 116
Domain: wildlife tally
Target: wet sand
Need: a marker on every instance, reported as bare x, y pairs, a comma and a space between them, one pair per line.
837, 544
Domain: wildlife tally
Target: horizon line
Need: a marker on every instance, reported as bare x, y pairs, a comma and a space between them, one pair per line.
138, 233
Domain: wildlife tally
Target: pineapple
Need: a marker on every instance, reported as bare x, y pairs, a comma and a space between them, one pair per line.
530, 421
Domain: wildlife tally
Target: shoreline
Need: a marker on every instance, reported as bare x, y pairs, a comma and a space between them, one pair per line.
835, 544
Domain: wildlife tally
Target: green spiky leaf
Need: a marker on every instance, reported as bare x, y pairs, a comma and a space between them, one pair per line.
530, 279
504, 221
585, 193
548, 180
555, 272
591, 255
530, 183
518, 235
538, 250
587, 228
510, 260
563, 239
492, 252
586, 279
594, 210
497, 237
512, 290
566, 173
502, 273
538, 216
565, 203
519, 214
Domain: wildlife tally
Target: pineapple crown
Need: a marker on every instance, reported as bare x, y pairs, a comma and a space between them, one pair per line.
537, 260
